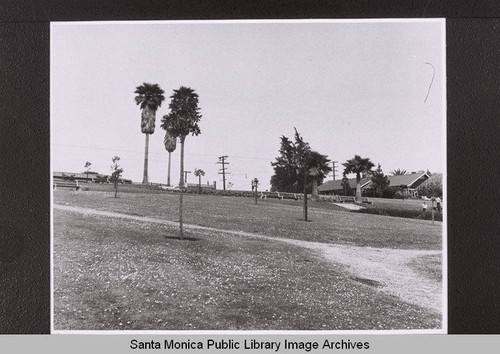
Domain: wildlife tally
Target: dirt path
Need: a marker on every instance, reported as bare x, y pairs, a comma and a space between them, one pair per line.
388, 269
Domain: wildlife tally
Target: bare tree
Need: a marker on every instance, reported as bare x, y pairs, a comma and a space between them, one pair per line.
255, 184
117, 173
302, 159
181, 121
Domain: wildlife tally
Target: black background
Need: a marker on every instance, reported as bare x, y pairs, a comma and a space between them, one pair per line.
473, 93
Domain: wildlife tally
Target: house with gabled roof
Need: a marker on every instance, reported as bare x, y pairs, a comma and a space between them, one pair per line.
336, 186
408, 183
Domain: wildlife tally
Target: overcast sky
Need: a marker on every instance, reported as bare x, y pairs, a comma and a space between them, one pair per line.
349, 88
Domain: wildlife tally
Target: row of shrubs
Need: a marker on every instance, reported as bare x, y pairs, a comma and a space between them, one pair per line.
394, 192
227, 193
402, 213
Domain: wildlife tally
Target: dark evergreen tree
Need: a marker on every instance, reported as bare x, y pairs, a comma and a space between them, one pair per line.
379, 181
287, 174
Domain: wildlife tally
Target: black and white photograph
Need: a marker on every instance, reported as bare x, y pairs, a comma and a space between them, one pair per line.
250, 175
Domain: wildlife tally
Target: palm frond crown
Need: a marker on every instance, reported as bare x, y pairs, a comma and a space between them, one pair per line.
357, 165
398, 172
150, 95
199, 172
184, 113
320, 162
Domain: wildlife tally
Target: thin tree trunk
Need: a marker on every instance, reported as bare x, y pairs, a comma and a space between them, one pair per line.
255, 194
146, 150
168, 175
199, 183
358, 188
305, 196
432, 211
116, 189
181, 186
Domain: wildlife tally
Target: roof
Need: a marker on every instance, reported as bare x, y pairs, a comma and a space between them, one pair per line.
79, 175
337, 184
412, 180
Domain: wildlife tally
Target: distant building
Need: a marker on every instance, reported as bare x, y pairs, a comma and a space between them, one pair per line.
203, 186
408, 183
84, 177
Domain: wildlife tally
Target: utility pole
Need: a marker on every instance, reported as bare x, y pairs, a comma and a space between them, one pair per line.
186, 177
334, 169
223, 162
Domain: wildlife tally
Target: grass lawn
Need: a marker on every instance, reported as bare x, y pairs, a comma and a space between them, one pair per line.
409, 208
123, 274
269, 217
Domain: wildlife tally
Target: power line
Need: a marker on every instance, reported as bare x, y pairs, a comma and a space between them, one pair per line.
152, 152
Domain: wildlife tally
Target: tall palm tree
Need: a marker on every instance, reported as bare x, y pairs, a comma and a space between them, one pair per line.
318, 167
198, 172
170, 143
183, 120
149, 97
358, 166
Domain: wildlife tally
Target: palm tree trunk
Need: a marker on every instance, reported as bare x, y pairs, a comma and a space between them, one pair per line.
358, 188
315, 189
199, 183
168, 175
146, 150
181, 187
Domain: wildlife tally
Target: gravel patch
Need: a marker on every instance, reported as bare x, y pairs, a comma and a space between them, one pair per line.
350, 206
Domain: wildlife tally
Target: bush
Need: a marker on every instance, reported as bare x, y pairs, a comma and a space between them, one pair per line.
389, 192
432, 187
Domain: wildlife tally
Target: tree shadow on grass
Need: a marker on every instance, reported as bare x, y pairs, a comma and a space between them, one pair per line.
186, 238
